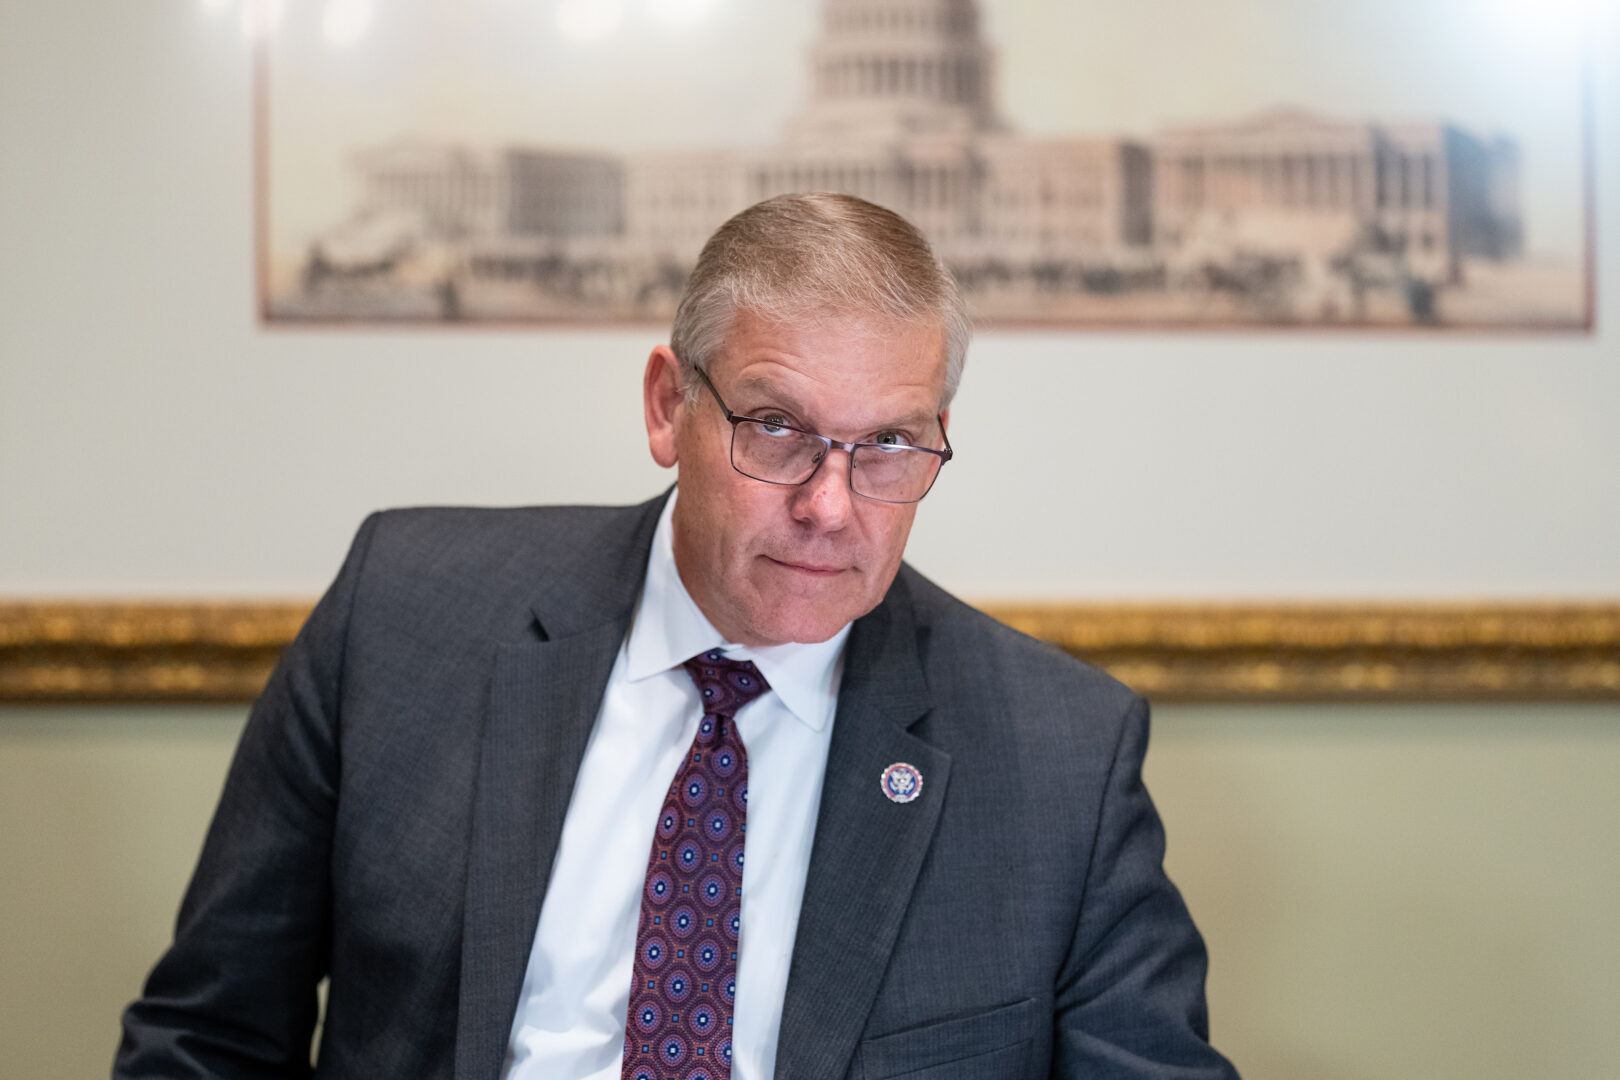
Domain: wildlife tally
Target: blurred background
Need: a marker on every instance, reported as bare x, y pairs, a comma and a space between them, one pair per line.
1387, 890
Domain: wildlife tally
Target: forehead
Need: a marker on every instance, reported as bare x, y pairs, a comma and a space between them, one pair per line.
886, 363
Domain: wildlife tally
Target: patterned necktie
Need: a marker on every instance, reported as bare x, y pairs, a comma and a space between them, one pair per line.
685, 982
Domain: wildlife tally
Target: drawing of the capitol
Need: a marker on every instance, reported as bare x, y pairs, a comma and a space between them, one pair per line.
1282, 217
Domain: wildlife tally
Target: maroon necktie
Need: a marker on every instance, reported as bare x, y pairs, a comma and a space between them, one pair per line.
685, 982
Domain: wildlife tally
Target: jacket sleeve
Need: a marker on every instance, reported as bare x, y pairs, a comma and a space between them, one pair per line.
235, 994
1130, 996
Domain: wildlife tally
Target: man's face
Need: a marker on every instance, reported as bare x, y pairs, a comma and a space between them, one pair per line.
768, 563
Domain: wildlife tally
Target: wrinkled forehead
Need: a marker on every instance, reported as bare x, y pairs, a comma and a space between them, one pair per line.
887, 336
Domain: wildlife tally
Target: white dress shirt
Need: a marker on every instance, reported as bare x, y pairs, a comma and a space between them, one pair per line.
571, 1016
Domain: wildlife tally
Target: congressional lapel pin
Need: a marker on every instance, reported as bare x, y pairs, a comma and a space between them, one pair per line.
902, 782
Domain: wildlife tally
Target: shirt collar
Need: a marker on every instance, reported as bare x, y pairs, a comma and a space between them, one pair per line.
669, 628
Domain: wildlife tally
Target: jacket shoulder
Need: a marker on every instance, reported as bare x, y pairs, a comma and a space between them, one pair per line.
483, 566
471, 536
964, 645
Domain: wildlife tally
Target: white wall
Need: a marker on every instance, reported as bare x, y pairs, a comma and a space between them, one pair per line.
154, 439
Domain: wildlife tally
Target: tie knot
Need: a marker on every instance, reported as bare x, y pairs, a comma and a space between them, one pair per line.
725, 685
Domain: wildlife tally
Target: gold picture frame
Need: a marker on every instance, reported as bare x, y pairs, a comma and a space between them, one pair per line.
222, 651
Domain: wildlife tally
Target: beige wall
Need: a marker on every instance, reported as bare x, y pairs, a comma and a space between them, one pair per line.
1386, 892
102, 812
1395, 892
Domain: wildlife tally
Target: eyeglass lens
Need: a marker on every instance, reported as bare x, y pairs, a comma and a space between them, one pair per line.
780, 455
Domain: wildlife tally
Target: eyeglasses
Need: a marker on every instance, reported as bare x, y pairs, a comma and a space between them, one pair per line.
778, 453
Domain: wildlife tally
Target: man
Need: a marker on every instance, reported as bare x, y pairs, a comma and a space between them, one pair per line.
500, 788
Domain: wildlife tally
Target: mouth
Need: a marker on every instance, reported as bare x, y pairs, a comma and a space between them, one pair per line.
811, 569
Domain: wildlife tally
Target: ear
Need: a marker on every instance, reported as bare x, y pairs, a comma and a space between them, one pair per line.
945, 419
664, 402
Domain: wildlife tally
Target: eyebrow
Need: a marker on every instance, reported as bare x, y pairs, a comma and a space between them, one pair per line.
765, 386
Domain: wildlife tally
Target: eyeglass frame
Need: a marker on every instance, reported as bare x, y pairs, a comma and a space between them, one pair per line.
832, 444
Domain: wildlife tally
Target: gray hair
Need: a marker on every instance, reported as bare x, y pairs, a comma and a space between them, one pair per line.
814, 255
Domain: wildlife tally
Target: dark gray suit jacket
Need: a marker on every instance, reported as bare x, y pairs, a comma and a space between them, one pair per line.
392, 813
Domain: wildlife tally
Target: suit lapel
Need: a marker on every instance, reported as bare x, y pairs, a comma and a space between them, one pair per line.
543, 699
867, 851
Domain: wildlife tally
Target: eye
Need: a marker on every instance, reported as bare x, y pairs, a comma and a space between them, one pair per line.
774, 424
892, 438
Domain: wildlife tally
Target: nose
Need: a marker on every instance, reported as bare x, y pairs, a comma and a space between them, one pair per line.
825, 500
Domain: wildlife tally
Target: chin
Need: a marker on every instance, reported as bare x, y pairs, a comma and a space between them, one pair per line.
814, 634
782, 624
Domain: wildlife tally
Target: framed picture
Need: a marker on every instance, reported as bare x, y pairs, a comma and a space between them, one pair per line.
1232, 163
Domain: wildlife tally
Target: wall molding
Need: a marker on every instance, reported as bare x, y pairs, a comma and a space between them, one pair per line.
222, 650
1407, 651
